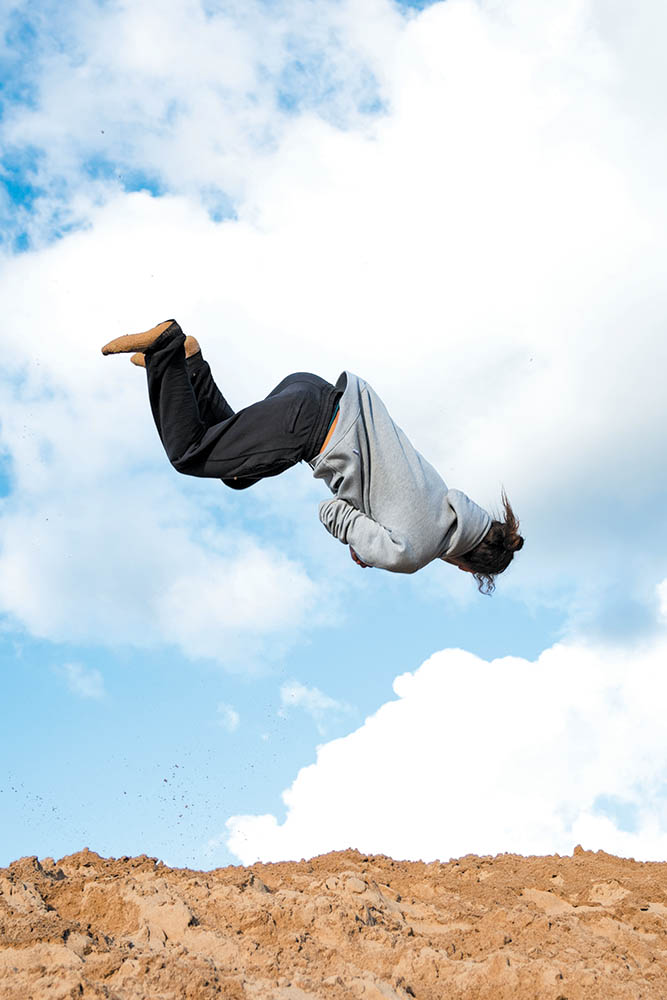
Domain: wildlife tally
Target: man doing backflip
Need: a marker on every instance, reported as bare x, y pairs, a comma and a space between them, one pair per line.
389, 504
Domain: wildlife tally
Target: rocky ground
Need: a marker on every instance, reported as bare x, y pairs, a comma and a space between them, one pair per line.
340, 926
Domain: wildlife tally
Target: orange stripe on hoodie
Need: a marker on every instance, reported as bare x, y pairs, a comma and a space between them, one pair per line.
330, 431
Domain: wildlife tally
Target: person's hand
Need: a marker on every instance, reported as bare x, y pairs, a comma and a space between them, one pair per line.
357, 559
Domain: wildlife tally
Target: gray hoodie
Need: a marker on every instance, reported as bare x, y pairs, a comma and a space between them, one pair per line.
389, 503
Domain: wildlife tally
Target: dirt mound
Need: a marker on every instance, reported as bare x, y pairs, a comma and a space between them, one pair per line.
340, 926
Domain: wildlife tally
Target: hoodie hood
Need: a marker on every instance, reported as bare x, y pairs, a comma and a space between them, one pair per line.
472, 524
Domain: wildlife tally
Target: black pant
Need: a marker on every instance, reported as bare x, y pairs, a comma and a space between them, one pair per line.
203, 436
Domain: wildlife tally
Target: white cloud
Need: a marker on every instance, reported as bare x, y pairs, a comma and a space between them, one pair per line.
124, 93
85, 682
100, 540
486, 252
316, 703
485, 757
228, 717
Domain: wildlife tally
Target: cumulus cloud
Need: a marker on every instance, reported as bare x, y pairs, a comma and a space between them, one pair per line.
506, 755
467, 213
85, 682
122, 95
99, 539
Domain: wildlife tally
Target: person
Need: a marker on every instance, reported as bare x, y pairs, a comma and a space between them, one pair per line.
389, 505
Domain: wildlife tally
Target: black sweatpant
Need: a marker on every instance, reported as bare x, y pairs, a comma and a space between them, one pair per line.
203, 436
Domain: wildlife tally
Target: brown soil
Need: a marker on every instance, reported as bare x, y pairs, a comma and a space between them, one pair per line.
340, 926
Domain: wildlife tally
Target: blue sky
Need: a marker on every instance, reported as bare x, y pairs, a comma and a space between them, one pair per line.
462, 205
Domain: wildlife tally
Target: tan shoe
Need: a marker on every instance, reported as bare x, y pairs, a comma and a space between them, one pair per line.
139, 360
191, 347
136, 341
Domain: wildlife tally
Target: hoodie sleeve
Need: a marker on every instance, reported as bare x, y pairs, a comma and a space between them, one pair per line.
374, 544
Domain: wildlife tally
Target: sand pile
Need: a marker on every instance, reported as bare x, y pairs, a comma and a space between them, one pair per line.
340, 926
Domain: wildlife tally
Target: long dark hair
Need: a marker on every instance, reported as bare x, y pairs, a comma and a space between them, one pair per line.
496, 550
